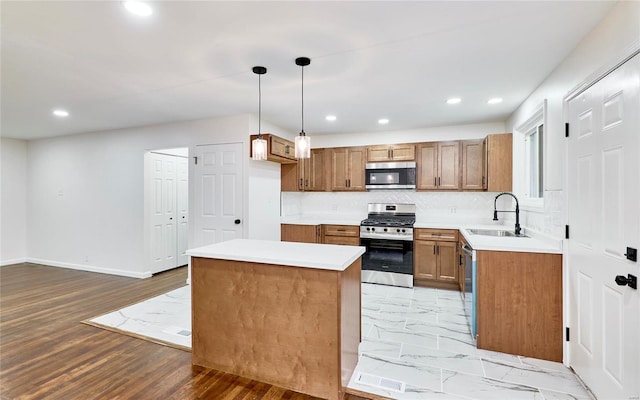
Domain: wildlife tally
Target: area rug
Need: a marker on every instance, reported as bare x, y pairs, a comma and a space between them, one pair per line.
164, 319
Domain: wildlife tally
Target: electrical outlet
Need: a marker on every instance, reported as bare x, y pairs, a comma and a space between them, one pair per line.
452, 210
86, 259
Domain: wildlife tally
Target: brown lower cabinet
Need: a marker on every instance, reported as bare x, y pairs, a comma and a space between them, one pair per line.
519, 303
435, 258
326, 234
341, 234
300, 233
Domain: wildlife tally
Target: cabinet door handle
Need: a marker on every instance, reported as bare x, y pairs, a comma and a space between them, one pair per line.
306, 182
483, 181
392, 154
286, 149
301, 182
435, 181
388, 153
434, 249
438, 181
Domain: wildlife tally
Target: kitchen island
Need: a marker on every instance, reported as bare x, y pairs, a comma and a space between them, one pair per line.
283, 313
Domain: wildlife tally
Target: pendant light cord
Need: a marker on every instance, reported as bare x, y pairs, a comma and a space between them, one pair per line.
259, 106
302, 132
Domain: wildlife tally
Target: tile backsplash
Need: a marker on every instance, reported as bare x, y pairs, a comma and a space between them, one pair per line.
434, 206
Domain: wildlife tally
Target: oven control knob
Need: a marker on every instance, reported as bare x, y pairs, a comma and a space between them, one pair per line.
373, 229
404, 230
385, 229
397, 230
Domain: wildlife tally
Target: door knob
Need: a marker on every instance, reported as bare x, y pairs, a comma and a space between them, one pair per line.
237, 222
630, 280
170, 218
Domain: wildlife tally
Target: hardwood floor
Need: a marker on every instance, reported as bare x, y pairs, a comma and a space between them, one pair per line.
47, 353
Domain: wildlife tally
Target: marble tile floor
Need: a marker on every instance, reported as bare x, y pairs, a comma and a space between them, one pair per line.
415, 345
165, 318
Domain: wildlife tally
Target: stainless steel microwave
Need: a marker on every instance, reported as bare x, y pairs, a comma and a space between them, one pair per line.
390, 175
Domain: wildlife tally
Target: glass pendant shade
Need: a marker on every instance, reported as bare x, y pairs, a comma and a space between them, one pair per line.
259, 149
303, 147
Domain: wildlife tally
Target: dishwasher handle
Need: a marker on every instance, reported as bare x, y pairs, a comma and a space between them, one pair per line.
466, 249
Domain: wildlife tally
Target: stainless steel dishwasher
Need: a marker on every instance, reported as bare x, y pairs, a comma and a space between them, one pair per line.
470, 287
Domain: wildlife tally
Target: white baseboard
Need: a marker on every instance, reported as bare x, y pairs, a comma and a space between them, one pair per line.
89, 268
14, 261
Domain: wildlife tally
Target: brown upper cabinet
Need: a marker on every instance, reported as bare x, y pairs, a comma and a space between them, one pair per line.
307, 175
474, 166
438, 165
499, 162
278, 149
455, 165
394, 152
347, 168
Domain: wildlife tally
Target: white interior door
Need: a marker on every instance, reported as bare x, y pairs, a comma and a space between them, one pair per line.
604, 217
163, 212
218, 193
182, 202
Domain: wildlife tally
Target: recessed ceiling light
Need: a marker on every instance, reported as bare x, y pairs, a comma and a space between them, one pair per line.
61, 113
138, 8
495, 100
330, 118
383, 121
454, 100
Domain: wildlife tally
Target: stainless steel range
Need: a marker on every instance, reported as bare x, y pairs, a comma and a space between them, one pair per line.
387, 235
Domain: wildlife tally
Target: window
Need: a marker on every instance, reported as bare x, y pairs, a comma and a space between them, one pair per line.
530, 176
533, 144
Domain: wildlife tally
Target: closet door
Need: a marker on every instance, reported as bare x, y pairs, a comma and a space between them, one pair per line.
163, 212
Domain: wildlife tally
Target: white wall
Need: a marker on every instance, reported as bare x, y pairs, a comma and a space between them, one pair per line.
615, 35
86, 192
13, 201
454, 132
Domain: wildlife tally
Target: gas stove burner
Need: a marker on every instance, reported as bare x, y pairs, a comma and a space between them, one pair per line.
402, 222
389, 221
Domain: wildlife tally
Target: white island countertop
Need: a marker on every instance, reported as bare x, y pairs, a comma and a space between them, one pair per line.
305, 255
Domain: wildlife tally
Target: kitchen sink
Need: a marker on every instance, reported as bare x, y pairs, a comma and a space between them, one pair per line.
495, 232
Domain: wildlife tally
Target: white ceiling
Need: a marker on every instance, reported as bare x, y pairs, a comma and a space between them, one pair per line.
399, 60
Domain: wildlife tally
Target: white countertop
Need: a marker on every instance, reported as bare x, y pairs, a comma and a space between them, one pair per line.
322, 219
305, 255
534, 244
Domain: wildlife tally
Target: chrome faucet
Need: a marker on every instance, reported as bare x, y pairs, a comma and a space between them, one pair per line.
496, 211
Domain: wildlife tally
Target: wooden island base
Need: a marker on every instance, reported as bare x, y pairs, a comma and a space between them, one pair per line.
293, 327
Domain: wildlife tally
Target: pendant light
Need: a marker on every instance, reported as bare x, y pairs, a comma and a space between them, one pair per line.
303, 142
259, 145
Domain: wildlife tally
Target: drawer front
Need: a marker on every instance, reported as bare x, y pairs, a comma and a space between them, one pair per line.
442, 235
349, 241
342, 230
